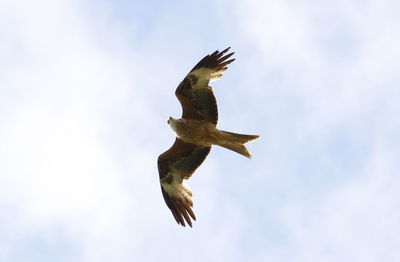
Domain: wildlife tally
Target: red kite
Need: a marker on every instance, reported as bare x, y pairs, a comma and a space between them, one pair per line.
195, 132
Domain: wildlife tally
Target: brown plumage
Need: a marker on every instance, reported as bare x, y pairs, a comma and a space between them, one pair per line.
196, 132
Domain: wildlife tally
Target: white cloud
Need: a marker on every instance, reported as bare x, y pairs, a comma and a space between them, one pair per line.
328, 125
355, 221
62, 90
83, 100
80, 135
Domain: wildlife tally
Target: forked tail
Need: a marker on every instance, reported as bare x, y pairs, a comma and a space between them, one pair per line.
235, 142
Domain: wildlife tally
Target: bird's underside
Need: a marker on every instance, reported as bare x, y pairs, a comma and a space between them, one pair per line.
196, 132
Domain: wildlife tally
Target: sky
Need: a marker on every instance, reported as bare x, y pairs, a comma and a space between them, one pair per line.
86, 88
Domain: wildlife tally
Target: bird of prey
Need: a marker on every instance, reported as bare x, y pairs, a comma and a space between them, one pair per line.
195, 132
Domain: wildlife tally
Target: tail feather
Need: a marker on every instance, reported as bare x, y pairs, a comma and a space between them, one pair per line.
235, 142
240, 137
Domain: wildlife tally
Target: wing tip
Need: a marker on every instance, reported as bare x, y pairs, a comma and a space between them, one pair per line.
226, 49
183, 213
180, 207
215, 60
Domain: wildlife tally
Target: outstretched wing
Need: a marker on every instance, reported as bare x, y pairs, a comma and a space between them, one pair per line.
178, 163
194, 94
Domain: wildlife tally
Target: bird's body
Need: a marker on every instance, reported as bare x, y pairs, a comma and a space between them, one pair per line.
205, 133
199, 132
196, 132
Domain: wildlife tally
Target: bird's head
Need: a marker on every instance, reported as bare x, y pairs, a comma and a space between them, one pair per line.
172, 123
171, 120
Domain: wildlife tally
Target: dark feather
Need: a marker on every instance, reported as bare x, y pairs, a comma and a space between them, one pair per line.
195, 95
215, 60
178, 163
182, 156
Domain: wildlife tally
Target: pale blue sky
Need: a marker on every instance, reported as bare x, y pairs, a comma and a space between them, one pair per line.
86, 88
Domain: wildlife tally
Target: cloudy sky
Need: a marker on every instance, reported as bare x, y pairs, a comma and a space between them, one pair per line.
86, 88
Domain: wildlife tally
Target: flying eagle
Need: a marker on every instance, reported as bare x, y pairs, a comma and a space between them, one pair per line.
195, 132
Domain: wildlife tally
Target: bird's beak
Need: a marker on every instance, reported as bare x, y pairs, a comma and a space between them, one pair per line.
169, 120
